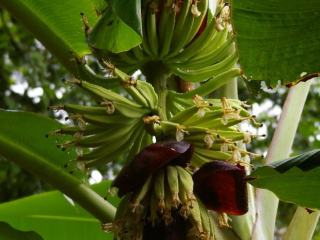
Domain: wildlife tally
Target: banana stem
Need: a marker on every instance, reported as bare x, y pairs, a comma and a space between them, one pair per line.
157, 74
280, 147
302, 225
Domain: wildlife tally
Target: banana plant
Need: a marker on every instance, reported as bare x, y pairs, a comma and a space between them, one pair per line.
186, 172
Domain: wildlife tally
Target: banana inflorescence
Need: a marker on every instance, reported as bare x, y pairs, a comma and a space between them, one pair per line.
165, 198
195, 135
187, 37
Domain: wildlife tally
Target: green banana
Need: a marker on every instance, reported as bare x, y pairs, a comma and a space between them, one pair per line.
159, 189
107, 136
141, 194
112, 156
211, 154
205, 219
185, 182
87, 130
74, 108
196, 8
106, 149
122, 104
152, 28
195, 217
148, 92
137, 96
166, 25
107, 120
212, 84
197, 45
166, 46
184, 115
137, 139
216, 41
169, 205
216, 56
173, 182
181, 41
153, 208
198, 160
181, 22
207, 72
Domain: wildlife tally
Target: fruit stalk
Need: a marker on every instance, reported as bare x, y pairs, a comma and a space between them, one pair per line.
157, 74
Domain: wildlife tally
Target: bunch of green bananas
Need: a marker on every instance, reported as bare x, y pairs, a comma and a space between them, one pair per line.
190, 39
114, 129
123, 124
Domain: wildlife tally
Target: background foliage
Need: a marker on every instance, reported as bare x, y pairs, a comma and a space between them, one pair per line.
31, 80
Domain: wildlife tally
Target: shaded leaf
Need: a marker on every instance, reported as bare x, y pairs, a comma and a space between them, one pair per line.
295, 180
305, 161
57, 24
21, 142
53, 216
30, 131
112, 34
9, 233
277, 40
129, 12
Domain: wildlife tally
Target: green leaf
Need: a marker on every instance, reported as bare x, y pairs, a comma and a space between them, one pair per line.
294, 180
9, 233
31, 131
305, 162
112, 34
54, 217
57, 24
22, 141
277, 40
129, 12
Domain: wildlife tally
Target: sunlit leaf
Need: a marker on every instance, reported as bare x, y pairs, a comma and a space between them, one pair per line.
295, 180
277, 40
53, 216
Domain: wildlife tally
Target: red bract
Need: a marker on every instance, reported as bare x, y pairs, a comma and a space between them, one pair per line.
221, 186
149, 160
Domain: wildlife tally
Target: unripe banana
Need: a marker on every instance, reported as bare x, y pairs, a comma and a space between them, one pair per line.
122, 104
159, 189
197, 75
205, 219
199, 9
173, 183
211, 154
107, 120
185, 181
181, 21
148, 92
196, 46
107, 137
152, 27
166, 27
195, 217
73, 108
142, 194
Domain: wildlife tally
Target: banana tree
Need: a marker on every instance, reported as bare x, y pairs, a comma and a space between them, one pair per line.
186, 173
